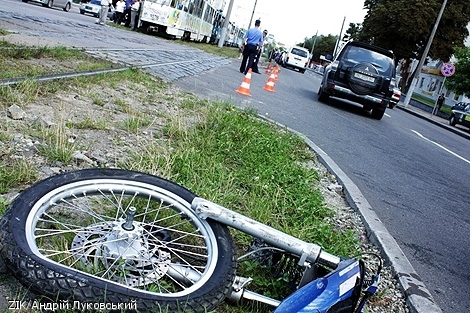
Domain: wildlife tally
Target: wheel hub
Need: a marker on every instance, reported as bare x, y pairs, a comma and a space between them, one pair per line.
130, 255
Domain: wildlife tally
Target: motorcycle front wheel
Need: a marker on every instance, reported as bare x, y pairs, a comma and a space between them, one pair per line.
117, 237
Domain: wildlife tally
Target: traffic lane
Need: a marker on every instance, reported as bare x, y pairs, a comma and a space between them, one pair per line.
432, 193
400, 174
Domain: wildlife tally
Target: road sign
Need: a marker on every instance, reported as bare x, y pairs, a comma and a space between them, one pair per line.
448, 69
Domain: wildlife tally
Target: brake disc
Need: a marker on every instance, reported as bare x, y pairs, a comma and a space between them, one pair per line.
135, 257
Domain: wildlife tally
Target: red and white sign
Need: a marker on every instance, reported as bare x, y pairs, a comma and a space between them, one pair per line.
448, 69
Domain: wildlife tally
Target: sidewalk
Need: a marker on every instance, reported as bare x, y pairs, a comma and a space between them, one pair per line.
436, 120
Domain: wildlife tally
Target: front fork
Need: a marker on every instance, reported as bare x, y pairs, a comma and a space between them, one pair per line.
308, 253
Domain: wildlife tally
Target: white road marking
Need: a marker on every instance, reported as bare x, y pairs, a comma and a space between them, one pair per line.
442, 147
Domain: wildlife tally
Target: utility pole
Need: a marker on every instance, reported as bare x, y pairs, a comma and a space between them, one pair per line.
223, 33
423, 57
339, 38
314, 41
252, 13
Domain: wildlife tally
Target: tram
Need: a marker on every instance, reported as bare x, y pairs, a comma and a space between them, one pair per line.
182, 19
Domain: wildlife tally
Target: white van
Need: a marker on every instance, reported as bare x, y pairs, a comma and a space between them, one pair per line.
296, 57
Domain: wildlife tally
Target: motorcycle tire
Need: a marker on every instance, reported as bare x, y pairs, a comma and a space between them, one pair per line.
119, 239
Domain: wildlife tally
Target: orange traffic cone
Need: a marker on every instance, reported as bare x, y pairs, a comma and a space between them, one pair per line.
270, 83
244, 88
276, 72
268, 69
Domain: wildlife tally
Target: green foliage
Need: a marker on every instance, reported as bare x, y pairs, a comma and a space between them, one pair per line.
404, 27
57, 145
3, 205
352, 33
14, 60
134, 123
323, 45
229, 52
459, 83
15, 172
233, 158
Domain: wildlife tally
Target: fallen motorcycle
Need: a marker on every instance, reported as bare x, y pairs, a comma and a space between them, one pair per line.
117, 236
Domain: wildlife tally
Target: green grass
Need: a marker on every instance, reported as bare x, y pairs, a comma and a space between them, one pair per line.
430, 102
228, 52
22, 61
15, 173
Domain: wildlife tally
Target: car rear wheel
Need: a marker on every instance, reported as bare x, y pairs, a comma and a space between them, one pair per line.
377, 113
67, 7
452, 120
322, 96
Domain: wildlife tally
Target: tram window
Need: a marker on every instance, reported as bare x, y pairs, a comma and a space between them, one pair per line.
173, 4
208, 15
189, 6
199, 4
178, 4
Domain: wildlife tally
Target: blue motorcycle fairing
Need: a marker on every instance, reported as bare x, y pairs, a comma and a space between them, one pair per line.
321, 294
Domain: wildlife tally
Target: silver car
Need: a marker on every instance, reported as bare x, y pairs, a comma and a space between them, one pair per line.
63, 4
94, 7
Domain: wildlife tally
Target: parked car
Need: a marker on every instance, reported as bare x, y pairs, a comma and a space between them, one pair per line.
361, 73
460, 114
297, 58
396, 94
94, 7
63, 4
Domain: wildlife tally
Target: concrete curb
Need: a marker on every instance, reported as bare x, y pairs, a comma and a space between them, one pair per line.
417, 296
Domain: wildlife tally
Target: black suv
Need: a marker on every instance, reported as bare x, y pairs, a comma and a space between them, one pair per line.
361, 73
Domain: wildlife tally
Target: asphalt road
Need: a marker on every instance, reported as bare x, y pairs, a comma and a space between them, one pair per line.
413, 173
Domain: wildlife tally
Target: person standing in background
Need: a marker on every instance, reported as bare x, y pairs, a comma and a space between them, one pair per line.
127, 12
134, 14
104, 11
260, 52
120, 6
439, 103
253, 38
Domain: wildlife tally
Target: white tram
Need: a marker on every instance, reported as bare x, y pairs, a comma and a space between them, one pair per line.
185, 19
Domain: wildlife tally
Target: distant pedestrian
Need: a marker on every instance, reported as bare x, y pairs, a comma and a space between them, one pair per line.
259, 53
254, 38
440, 103
120, 6
105, 4
127, 12
240, 49
135, 14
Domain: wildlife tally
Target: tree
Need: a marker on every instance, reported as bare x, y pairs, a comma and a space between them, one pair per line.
323, 45
459, 83
404, 26
352, 33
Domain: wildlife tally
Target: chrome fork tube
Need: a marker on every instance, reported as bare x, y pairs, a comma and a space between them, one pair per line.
308, 252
